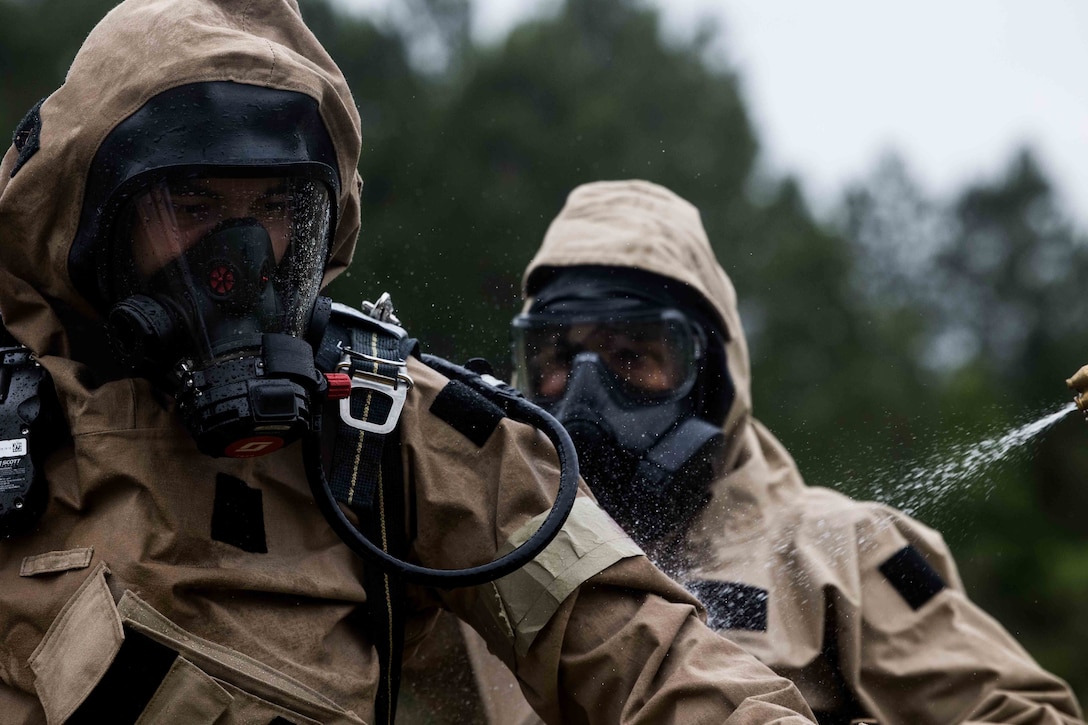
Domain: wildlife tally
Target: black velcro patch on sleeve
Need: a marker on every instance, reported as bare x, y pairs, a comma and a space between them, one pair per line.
912, 576
238, 515
471, 414
732, 605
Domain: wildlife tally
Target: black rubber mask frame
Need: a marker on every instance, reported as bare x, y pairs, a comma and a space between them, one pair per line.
216, 128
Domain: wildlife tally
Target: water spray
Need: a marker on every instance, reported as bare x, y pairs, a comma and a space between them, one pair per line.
956, 470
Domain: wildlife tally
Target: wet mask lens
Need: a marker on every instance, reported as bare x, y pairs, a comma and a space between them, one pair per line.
236, 257
649, 356
218, 279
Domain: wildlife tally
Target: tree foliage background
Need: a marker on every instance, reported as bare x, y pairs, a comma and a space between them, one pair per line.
888, 343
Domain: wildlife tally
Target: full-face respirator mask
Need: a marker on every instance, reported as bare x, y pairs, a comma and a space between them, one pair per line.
628, 370
221, 287
203, 243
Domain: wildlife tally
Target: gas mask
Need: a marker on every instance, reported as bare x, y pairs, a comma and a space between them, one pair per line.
625, 374
202, 242
220, 284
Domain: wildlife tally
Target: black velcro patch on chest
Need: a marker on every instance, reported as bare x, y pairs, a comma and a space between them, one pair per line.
471, 414
238, 515
912, 576
732, 605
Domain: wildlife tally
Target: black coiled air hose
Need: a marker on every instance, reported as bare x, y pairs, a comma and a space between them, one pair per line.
517, 408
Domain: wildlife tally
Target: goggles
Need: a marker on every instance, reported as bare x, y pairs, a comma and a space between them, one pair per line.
650, 355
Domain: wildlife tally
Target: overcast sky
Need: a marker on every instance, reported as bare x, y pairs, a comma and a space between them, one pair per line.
953, 85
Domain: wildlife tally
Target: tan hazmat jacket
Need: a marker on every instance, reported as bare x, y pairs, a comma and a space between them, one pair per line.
857, 603
123, 606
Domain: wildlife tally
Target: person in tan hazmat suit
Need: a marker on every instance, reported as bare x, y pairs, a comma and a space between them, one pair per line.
632, 339
187, 192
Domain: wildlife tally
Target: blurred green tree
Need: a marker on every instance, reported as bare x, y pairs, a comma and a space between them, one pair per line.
1013, 278
38, 40
586, 95
995, 276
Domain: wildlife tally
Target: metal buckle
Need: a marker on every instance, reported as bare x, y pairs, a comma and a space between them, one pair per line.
394, 388
348, 355
382, 310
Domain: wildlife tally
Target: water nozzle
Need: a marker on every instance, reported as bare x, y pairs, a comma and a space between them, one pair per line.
1079, 385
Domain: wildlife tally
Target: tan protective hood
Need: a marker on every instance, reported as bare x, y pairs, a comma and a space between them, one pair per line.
642, 225
140, 49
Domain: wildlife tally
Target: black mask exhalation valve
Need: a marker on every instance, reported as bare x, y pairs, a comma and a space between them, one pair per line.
209, 334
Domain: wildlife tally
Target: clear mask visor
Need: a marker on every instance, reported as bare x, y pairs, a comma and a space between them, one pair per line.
234, 257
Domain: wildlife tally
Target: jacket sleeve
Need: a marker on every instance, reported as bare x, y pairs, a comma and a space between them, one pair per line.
593, 632
916, 650
617, 651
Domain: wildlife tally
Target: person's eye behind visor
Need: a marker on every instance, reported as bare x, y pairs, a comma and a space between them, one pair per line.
243, 256
650, 355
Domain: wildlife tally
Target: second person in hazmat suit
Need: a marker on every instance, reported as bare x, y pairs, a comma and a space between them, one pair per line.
632, 339
187, 193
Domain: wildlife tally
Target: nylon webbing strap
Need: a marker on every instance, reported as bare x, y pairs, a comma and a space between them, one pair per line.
386, 604
367, 475
357, 454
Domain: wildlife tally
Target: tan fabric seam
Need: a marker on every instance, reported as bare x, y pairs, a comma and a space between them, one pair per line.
119, 429
133, 397
504, 616
271, 70
213, 657
213, 699
71, 659
358, 452
52, 562
491, 620
243, 699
